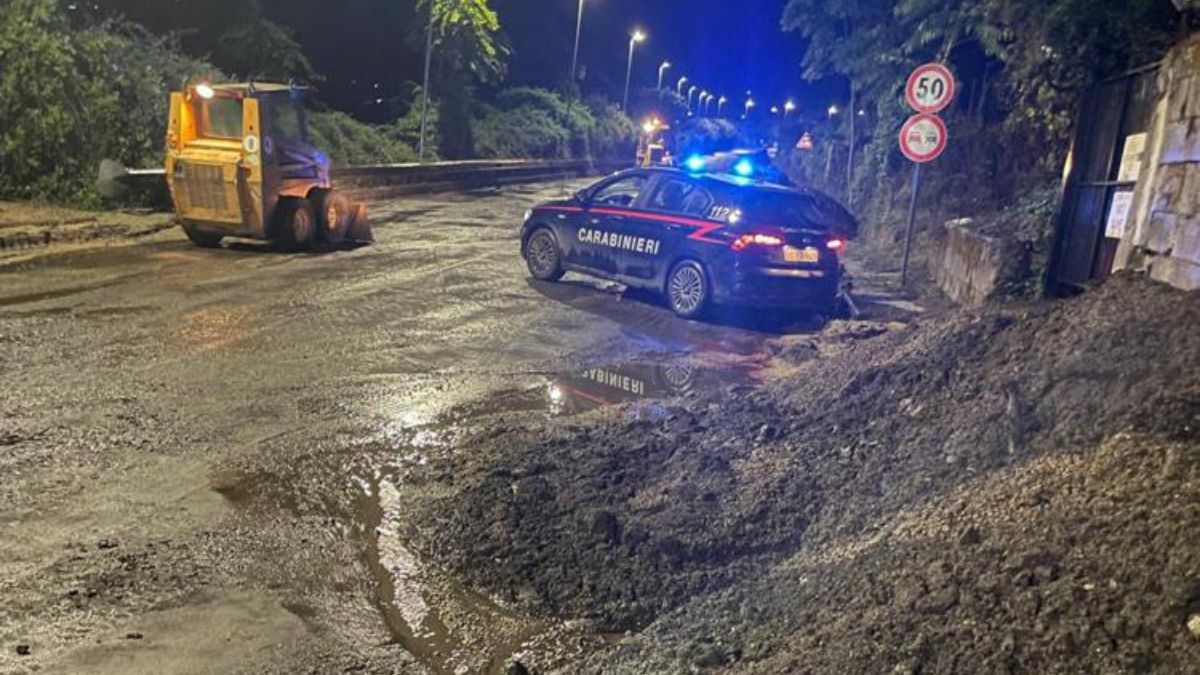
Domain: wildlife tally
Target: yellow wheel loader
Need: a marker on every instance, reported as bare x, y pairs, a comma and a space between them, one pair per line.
239, 164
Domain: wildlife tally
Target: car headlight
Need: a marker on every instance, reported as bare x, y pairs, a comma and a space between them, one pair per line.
528, 214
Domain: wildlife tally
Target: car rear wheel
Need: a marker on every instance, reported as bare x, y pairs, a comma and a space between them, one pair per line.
687, 289
543, 257
202, 239
296, 225
336, 215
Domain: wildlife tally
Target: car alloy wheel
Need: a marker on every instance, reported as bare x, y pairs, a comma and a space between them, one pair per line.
542, 255
687, 289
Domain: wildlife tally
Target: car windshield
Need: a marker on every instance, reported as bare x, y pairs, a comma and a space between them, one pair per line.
796, 209
221, 118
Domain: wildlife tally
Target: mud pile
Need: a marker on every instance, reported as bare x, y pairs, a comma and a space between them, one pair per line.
1015, 489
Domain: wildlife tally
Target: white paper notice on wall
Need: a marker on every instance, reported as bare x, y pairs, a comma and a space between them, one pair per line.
1118, 214
1131, 158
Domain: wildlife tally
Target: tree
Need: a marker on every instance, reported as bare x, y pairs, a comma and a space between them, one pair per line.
1023, 62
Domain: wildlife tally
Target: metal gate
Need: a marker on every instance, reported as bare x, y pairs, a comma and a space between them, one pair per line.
1113, 118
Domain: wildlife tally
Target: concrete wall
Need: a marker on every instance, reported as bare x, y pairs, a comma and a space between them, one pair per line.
1164, 239
972, 268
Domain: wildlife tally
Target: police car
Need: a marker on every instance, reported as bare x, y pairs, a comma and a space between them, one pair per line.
698, 238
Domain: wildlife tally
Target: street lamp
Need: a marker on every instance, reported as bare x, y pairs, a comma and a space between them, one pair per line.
700, 101
834, 111
638, 36
691, 91
662, 70
578, 33
749, 106
679, 87
721, 104
788, 108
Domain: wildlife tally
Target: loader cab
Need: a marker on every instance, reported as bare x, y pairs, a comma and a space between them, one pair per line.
233, 152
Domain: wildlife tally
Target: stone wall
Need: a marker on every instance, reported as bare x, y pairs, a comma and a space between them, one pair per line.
972, 268
1165, 237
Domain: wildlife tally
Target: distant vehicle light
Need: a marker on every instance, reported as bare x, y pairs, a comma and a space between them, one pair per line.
695, 163
204, 91
744, 168
747, 240
836, 244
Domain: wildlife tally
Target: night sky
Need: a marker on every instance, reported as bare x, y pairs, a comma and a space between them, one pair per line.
725, 46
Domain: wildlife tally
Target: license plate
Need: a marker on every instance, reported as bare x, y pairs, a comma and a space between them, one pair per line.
801, 255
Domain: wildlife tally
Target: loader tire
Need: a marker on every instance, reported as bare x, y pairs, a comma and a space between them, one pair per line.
335, 215
202, 239
296, 224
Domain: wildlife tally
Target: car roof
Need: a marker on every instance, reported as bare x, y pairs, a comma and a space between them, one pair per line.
722, 180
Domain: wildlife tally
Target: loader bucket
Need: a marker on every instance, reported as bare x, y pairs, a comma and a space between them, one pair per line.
360, 229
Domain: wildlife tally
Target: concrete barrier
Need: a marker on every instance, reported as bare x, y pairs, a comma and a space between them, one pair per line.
972, 268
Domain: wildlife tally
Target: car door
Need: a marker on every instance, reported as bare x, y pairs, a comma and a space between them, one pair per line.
603, 239
673, 210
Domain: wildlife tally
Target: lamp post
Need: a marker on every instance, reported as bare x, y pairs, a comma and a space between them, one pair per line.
749, 106
834, 111
638, 36
662, 70
578, 34
679, 87
700, 101
691, 91
425, 86
721, 104
788, 108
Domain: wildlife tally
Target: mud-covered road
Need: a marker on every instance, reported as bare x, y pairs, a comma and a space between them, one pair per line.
156, 399
408, 458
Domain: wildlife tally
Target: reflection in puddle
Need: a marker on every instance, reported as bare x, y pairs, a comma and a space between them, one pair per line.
645, 385
450, 629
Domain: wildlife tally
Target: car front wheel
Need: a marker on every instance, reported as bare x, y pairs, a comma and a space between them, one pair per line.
543, 257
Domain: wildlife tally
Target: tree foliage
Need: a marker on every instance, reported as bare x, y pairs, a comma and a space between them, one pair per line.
1022, 65
532, 123
71, 96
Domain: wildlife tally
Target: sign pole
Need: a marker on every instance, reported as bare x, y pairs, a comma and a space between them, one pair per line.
912, 219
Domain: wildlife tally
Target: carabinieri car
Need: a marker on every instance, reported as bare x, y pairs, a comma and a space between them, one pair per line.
699, 239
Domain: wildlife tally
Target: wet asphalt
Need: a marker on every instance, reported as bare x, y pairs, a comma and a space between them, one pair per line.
154, 396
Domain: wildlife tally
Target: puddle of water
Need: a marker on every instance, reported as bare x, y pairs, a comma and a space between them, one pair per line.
450, 629
645, 385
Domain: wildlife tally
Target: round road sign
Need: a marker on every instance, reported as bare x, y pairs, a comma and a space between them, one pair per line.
930, 88
923, 138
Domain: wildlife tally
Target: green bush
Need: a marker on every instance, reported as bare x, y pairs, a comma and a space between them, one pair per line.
349, 142
531, 123
70, 97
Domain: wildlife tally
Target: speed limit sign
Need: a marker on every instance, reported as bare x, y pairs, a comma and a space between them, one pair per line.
930, 88
923, 138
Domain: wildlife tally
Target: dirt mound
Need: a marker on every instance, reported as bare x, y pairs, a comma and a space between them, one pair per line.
728, 496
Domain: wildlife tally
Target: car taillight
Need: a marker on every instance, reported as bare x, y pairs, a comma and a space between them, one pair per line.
756, 240
836, 244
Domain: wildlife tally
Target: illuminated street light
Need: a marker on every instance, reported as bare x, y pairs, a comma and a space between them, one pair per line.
749, 106
707, 105
662, 70
774, 110
700, 101
721, 104
578, 33
638, 36
691, 92
788, 108
679, 87
834, 111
